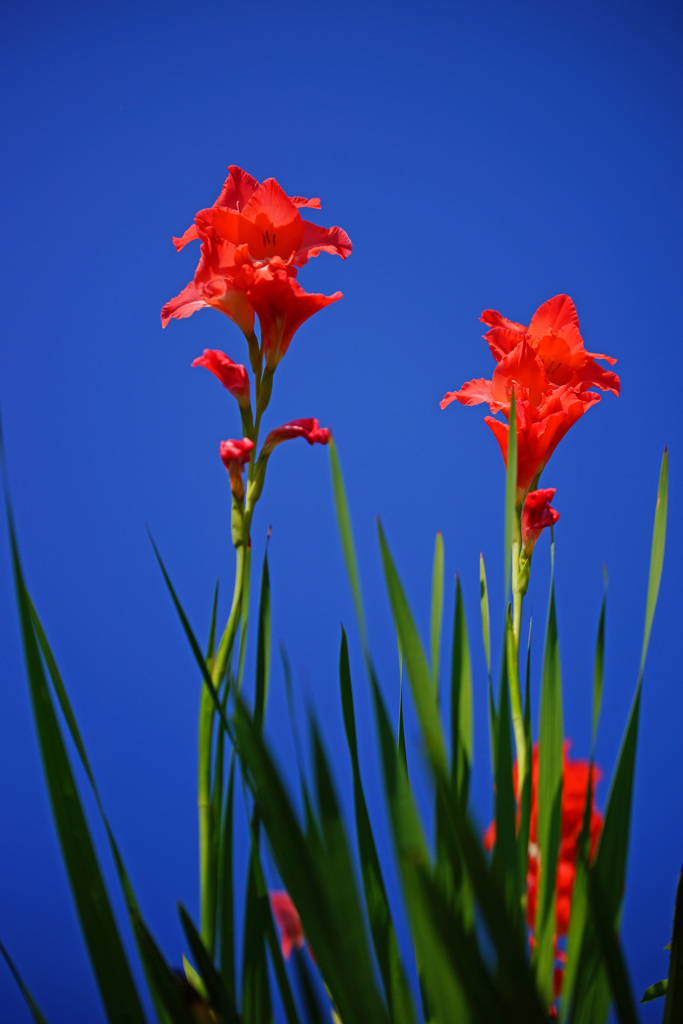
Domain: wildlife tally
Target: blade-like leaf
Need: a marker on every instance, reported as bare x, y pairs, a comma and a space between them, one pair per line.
28, 998
655, 991
485, 614
461, 703
415, 660
673, 1009
381, 927
656, 555
226, 912
505, 856
98, 924
196, 650
612, 956
346, 534
599, 669
211, 979
303, 867
510, 491
263, 649
437, 608
550, 753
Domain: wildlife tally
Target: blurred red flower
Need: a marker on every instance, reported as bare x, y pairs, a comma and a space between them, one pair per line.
536, 515
575, 776
232, 376
287, 921
550, 372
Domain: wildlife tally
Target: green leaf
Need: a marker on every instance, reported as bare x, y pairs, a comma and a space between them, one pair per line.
656, 555
415, 660
30, 1001
381, 927
174, 993
346, 534
550, 753
105, 948
505, 857
510, 491
256, 1001
196, 650
673, 1009
263, 649
226, 911
461, 703
485, 614
437, 607
655, 991
304, 869
599, 668
612, 956
211, 979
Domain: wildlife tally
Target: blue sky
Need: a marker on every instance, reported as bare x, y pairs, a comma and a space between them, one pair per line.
484, 155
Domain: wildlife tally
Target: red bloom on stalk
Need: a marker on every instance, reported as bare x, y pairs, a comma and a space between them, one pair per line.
575, 776
232, 376
309, 429
288, 922
235, 455
550, 372
282, 305
267, 221
252, 240
536, 515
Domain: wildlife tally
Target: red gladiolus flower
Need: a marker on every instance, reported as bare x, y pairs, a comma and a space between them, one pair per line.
219, 282
282, 305
288, 922
575, 776
536, 515
550, 372
267, 220
232, 376
309, 429
235, 455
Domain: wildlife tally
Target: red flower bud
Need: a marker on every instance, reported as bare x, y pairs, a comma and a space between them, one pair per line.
232, 376
235, 455
536, 515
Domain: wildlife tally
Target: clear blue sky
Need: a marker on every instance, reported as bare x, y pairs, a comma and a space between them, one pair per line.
484, 155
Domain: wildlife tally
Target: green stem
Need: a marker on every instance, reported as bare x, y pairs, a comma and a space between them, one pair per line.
206, 719
518, 591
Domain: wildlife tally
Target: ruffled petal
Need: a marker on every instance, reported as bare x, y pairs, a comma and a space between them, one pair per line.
317, 239
185, 304
554, 314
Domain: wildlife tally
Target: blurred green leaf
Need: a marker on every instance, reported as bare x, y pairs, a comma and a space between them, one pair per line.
263, 648
303, 867
215, 989
461, 703
381, 927
485, 615
655, 991
598, 671
226, 910
673, 1008
105, 948
510, 491
656, 555
550, 754
415, 660
437, 608
505, 858
28, 998
346, 534
612, 956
